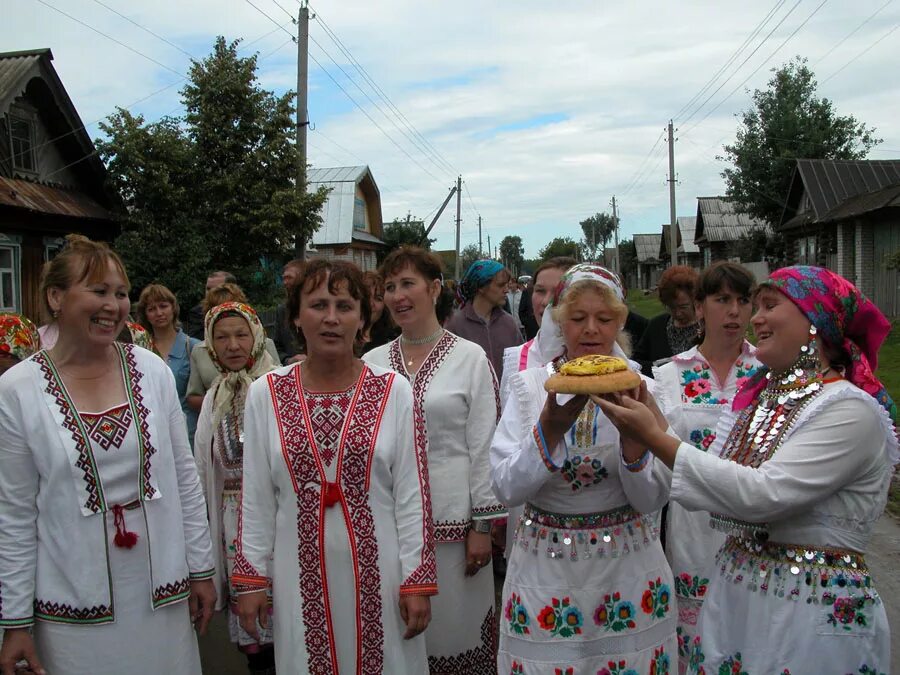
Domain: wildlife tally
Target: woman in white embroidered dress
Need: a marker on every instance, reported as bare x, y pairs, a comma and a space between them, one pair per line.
335, 494
693, 391
104, 526
455, 414
236, 341
797, 477
588, 588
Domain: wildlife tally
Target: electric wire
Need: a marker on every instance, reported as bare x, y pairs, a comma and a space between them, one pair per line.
145, 29
852, 33
637, 173
862, 53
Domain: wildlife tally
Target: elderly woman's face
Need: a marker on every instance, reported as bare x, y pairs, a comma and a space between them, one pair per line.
589, 325
682, 309
781, 329
233, 342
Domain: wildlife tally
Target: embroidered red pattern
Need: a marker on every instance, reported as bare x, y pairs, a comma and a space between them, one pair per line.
476, 661
169, 593
108, 429
451, 530
62, 613
133, 379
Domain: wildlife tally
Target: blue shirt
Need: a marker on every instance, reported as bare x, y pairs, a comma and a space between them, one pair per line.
179, 361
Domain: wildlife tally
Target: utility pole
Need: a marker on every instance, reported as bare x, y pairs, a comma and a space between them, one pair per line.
480, 250
617, 270
458, 221
673, 223
489, 247
302, 115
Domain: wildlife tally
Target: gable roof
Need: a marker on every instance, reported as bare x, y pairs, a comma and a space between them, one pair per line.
338, 210
687, 226
718, 219
831, 183
646, 247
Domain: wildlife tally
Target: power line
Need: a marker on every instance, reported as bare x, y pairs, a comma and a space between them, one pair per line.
747, 79
852, 33
281, 7
749, 56
471, 201
862, 53
145, 29
265, 14
646, 159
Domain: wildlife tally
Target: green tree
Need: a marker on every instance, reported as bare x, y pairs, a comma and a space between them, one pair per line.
512, 253
408, 231
560, 246
628, 261
788, 121
467, 256
598, 229
213, 189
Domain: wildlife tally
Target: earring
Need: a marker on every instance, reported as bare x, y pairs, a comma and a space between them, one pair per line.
55, 313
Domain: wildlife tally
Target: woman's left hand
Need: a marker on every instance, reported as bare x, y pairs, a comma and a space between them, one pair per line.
478, 551
202, 603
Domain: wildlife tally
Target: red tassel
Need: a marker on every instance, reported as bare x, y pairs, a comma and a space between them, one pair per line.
123, 538
332, 494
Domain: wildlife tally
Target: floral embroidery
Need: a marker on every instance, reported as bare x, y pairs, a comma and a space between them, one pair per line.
684, 644
561, 618
696, 657
655, 600
847, 612
732, 666
568, 671
517, 669
18, 336
517, 615
866, 669
743, 371
614, 614
696, 387
688, 586
582, 472
617, 668
703, 438
660, 663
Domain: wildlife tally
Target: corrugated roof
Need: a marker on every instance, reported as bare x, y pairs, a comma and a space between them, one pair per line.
687, 225
647, 247
888, 197
339, 174
337, 212
14, 67
719, 220
45, 199
361, 235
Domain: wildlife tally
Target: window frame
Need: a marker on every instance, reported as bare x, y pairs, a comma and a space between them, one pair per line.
14, 245
19, 115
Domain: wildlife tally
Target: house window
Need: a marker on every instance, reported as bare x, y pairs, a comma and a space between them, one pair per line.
52, 247
9, 276
359, 214
21, 143
806, 251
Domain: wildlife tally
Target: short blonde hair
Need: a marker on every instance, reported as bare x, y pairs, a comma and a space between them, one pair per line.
227, 292
618, 308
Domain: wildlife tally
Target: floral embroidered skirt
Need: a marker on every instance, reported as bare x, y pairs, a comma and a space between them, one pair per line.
790, 610
461, 637
587, 594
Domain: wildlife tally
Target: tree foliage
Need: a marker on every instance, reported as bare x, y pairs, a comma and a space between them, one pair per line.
467, 256
512, 253
788, 121
558, 247
598, 230
215, 189
627, 261
401, 232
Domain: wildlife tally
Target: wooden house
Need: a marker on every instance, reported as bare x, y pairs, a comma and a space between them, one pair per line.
845, 215
649, 267
351, 217
51, 179
719, 227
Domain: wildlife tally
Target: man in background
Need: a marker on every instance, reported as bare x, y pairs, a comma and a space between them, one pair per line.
283, 335
195, 314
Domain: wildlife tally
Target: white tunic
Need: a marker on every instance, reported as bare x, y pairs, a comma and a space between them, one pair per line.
588, 587
336, 490
59, 485
793, 606
456, 410
693, 399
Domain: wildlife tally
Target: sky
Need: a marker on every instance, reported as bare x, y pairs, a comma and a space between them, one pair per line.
546, 110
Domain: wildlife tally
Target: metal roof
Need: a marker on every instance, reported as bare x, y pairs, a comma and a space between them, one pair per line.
830, 183
719, 220
664, 240
337, 212
647, 247
45, 199
361, 235
687, 225
14, 68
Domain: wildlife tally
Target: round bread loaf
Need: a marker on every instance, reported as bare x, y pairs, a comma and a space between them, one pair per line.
606, 383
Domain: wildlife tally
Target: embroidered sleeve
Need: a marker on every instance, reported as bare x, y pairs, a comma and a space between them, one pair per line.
484, 411
256, 519
18, 512
518, 469
412, 499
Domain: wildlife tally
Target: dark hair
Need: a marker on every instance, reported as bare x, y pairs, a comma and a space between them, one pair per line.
81, 259
336, 272
677, 278
229, 277
227, 292
724, 274
424, 262
560, 262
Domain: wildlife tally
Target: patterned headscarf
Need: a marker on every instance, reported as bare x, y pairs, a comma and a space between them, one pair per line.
18, 336
140, 336
479, 274
228, 382
549, 341
843, 318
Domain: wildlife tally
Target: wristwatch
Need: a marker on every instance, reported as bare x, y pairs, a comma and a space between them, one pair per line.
481, 526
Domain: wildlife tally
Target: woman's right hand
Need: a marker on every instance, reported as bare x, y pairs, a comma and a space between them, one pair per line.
557, 419
18, 645
253, 606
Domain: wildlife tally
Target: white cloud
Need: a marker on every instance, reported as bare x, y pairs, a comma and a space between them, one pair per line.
614, 73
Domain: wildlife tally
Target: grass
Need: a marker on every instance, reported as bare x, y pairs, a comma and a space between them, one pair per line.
888, 368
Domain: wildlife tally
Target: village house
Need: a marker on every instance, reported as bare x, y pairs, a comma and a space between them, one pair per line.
51, 179
649, 267
351, 216
845, 215
719, 227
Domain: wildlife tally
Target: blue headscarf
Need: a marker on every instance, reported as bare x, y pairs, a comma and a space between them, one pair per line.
479, 274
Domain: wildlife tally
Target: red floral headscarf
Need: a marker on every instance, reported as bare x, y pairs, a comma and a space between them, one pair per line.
18, 336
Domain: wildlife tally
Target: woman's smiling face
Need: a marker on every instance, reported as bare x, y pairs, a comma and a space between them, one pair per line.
781, 329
